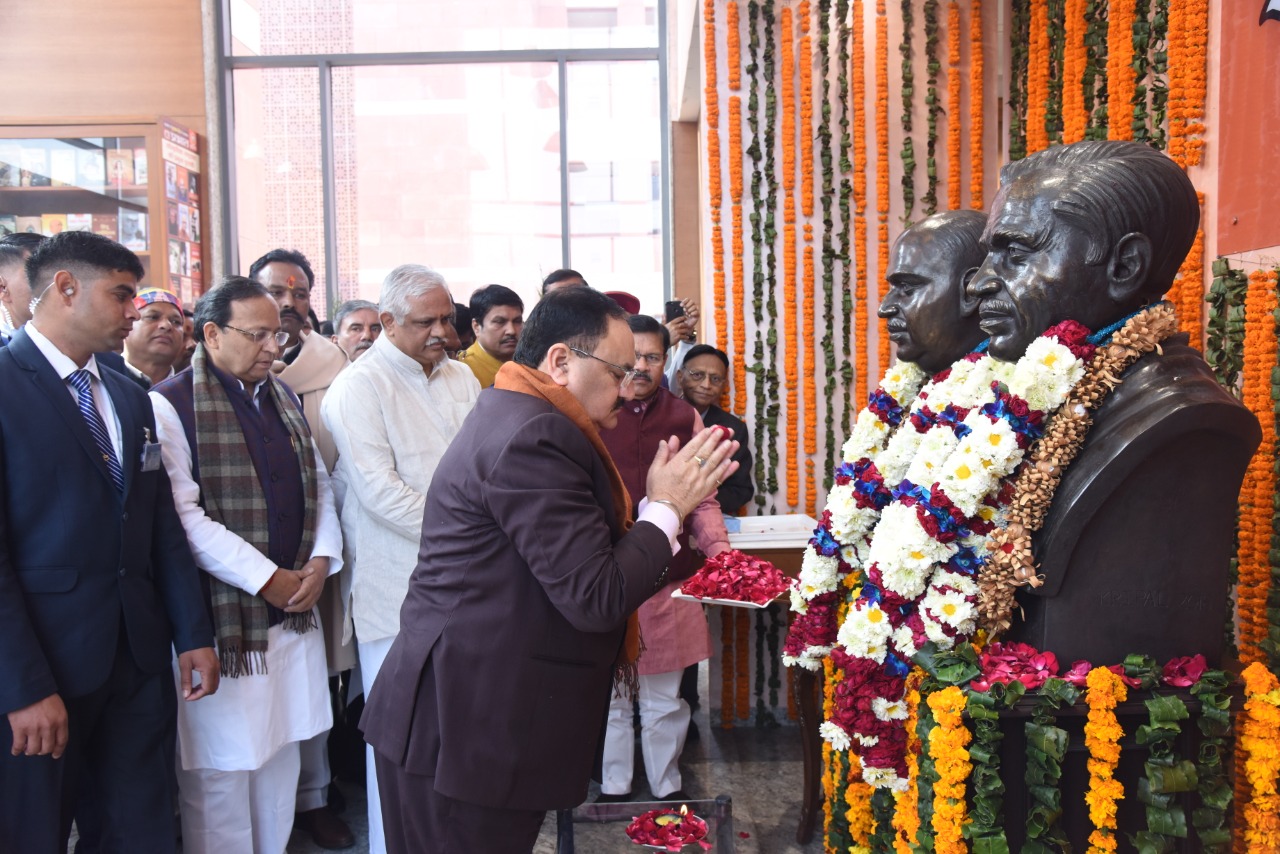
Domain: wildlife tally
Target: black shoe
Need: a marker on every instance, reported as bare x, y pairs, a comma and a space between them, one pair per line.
325, 829
693, 732
677, 795
613, 799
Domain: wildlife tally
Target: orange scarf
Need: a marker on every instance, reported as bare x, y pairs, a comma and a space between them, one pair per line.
516, 377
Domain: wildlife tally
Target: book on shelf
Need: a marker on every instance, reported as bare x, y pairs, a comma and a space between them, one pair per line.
184, 222
133, 229
177, 258
194, 265
120, 167
35, 167
8, 225
183, 187
54, 223
79, 222
139, 166
10, 164
62, 167
91, 165
107, 225
29, 225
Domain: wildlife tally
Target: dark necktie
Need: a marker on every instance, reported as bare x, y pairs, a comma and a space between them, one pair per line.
82, 381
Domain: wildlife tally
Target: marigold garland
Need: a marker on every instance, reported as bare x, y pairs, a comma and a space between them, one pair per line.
1188, 79
859, 101
807, 372
1102, 734
947, 748
976, 107
1037, 77
882, 174
953, 105
790, 362
1075, 114
734, 45
1260, 745
1257, 494
714, 189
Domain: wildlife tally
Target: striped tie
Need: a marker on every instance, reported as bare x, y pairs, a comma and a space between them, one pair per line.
81, 380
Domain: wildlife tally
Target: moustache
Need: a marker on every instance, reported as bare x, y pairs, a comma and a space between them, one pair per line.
437, 342
642, 375
363, 345
289, 312
895, 324
510, 339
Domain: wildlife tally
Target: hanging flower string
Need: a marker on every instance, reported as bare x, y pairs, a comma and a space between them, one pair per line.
830, 252
715, 191
907, 79
736, 163
948, 745
1257, 494
1019, 77
1189, 285
808, 371
933, 108
1038, 77
882, 174
906, 815
733, 57
1188, 80
1075, 115
976, 107
1260, 745
1102, 734
861, 328
790, 361
849, 113
953, 105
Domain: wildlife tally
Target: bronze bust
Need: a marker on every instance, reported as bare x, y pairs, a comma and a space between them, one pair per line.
1136, 547
931, 318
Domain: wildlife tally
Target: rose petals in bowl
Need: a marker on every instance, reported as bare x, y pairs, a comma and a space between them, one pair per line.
668, 829
739, 577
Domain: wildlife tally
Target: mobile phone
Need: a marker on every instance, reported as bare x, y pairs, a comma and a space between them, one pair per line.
673, 309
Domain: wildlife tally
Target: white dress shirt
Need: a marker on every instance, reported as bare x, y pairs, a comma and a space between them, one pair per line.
391, 423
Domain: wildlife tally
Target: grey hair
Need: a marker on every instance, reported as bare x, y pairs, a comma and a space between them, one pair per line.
348, 308
406, 282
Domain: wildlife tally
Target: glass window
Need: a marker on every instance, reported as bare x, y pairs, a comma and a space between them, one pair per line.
273, 27
614, 147
279, 187
446, 178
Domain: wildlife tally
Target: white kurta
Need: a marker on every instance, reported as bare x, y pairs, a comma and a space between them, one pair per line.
391, 423
251, 717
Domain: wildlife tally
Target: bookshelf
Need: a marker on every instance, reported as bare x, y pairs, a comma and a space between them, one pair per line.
138, 183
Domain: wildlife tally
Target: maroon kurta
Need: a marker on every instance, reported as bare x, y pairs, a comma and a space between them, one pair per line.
674, 631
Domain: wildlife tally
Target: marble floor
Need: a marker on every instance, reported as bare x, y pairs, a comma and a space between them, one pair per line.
758, 768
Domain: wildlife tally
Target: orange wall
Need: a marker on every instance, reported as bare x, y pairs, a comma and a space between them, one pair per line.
69, 59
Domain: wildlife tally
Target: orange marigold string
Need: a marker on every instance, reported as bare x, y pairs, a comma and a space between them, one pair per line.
1075, 115
977, 175
787, 109
1257, 494
734, 44
948, 746
714, 188
882, 174
808, 374
738, 355
1038, 77
1188, 37
952, 115
1260, 746
906, 811
1121, 78
1102, 734
858, 130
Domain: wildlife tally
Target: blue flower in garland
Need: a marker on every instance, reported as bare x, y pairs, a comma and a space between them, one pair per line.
955, 416
965, 561
824, 544
896, 666
885, 407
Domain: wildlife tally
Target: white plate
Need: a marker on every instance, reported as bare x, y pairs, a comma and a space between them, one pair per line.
729, 603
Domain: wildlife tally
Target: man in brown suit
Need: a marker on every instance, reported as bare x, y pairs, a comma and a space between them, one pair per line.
490, 705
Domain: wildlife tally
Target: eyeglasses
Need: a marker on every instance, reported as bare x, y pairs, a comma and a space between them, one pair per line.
260, 337
699, 376
628, 374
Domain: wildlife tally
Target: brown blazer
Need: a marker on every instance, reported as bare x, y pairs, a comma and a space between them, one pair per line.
499, 680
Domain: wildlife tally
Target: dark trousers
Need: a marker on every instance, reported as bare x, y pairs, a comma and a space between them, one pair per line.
419, 820
119, 758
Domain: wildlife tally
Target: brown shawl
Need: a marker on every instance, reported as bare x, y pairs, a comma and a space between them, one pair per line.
516, 377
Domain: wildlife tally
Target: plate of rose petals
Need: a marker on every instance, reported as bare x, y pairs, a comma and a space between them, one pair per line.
735, 579
668, 830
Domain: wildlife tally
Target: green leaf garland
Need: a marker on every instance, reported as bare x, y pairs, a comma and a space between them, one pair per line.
929, 201
1160, 74
1095, 69
847, 113
1057, 52
985, 830
1141, 70
830, 253
1213, 789
755, 151
1046, 749
1019, 39
908, 107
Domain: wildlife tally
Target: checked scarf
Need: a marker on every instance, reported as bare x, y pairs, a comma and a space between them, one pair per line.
232, 496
